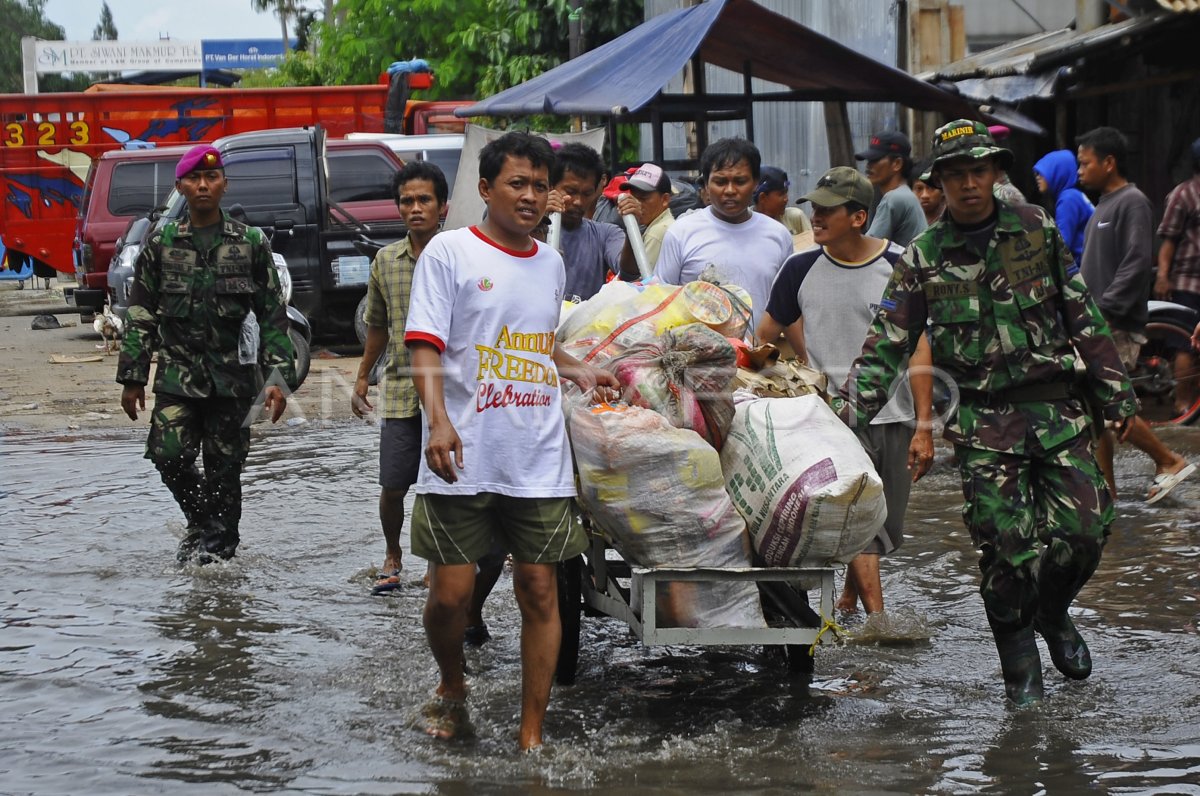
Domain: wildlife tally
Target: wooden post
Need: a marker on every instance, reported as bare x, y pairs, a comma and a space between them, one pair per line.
837, 131
957, 17
701, 89
937, 36
748, 93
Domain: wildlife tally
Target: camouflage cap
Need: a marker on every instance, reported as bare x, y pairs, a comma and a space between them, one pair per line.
964, 138
840, 185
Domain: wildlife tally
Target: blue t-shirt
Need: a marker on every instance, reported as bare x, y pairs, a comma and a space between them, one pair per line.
589, 253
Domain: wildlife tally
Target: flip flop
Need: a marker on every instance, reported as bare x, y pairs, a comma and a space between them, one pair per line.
1163, 483
386, 582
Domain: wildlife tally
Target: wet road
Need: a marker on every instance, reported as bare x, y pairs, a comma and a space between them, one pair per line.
120, 673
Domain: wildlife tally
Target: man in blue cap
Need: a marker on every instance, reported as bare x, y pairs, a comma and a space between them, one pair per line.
771, 199
206, 297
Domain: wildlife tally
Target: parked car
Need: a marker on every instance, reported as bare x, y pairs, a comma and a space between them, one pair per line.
313, 198
443, 150
120, 285
121, 186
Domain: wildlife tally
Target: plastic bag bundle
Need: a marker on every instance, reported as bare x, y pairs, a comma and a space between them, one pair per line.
622, 315
683, 375
802, 481
658, 493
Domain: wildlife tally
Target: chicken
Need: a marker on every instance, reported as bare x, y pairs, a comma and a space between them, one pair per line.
110, 327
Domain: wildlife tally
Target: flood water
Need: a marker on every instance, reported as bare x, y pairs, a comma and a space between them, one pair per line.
122, 673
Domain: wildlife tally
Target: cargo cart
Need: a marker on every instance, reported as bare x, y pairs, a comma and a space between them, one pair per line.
601, 583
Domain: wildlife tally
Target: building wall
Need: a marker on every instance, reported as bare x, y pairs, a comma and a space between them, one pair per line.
992, 22
791, 135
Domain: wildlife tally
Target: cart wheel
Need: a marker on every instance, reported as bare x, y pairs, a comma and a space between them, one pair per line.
570, 607
798, 659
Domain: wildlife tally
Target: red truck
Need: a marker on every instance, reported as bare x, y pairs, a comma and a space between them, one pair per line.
48, 143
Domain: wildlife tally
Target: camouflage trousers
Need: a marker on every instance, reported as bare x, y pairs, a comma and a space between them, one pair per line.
181, 429
1035, 518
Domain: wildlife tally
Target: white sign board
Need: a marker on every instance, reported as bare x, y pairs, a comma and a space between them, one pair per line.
117, 56
468, 206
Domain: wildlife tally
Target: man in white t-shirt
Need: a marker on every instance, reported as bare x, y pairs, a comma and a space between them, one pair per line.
497, 465
823, 301
742, 247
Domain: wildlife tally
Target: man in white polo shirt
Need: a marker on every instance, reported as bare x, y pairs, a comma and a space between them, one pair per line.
743, 248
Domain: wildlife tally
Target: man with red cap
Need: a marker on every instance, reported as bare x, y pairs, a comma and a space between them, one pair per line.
206, 297
898, 217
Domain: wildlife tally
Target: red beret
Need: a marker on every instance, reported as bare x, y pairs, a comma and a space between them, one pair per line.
198, 157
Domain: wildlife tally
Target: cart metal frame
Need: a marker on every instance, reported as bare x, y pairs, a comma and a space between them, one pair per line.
638, 610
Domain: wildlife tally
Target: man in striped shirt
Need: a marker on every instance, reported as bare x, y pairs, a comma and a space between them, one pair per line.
421, 191
1179, 269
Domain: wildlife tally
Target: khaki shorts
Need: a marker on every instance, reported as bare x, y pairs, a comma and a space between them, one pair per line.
1129, 345
461, 529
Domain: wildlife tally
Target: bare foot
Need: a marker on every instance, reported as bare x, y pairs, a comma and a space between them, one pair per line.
848, 602
446, 719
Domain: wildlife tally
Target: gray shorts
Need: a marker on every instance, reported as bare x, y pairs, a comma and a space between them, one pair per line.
399, 452
1129, 345
887, 445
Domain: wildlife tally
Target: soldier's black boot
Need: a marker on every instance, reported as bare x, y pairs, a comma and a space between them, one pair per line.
216, 541
183, 479
191, 541
1057, 587
194, 538
1020, 664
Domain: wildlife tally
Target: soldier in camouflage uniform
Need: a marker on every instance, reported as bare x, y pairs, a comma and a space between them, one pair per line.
1008, 317
206, 296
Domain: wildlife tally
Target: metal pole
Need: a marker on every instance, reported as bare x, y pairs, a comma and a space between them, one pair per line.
554, 236
575, 30
638, 245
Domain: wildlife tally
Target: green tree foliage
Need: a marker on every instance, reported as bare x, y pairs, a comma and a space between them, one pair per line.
367, 35
520, 39
106, 29
20, 18
284, 10
476, 47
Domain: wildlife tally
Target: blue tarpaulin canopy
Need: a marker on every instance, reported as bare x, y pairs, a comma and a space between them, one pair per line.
628, 73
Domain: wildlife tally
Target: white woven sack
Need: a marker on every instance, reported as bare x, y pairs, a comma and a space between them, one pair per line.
801, 479
657, 493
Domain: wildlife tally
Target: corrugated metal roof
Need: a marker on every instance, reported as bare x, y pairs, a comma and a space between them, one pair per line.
1180, 6
1036, 66
1039, 52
